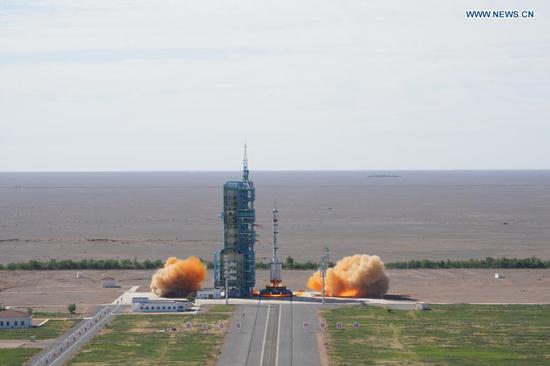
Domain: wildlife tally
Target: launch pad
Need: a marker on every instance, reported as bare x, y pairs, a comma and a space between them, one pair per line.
275, 291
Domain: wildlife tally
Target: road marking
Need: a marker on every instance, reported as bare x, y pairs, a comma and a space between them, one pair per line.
265, 335
278, 336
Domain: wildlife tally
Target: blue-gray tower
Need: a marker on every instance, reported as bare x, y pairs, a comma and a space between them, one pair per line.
237, 259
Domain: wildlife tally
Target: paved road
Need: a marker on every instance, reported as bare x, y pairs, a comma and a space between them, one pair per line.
272, 334
67, 345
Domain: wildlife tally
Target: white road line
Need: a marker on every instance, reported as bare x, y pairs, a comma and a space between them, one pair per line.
278, 336
265, 336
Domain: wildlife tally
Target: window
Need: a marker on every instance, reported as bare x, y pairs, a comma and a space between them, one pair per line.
8, 323
1, 323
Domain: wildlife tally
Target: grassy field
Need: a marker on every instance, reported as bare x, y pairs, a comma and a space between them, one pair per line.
52, 329
135, 339
445, 335
42, 315
16, 356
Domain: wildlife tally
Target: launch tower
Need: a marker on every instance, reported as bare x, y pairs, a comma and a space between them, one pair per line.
235, 264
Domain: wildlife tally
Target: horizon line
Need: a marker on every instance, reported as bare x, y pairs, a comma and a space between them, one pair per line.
281, 170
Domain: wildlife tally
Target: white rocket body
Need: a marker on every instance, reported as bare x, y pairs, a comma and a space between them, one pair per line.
276, 263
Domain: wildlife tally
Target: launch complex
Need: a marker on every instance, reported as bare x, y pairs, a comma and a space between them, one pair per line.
235, 263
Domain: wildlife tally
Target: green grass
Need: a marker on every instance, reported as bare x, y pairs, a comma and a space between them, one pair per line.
134, 339
16, 356
52, 329
446, 335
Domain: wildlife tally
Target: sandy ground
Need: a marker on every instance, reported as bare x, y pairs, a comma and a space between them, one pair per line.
433, 215
54, 290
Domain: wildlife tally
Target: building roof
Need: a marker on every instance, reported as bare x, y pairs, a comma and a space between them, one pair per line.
155, 301
10, 313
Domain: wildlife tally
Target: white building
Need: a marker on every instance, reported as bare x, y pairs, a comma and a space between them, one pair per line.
108, 282
209, 293
422, 306
146, 305
15, 319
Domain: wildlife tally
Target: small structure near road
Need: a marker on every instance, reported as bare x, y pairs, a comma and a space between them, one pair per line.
209, 293
422, 306
108, 282
11, 319
146, 305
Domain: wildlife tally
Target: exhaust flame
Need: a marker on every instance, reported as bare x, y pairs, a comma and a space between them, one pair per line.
179, 277
360, 275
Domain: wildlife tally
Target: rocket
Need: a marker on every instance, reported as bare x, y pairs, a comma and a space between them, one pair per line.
276, 264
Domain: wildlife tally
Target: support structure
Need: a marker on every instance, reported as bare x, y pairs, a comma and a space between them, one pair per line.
235, 264
229, 274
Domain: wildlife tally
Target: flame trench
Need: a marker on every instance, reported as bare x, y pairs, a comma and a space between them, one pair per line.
360, 275
179, 277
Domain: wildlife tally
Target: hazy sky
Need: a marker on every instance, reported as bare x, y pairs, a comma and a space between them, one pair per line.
347, 84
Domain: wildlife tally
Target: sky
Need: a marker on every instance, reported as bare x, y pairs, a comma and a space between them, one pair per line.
310, 85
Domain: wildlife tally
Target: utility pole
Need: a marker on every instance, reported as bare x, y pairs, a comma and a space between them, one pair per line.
323, 266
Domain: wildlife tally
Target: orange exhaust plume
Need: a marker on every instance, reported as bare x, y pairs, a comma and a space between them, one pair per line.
179, 277
360, 275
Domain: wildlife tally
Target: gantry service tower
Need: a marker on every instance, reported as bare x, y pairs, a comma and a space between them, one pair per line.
237, 259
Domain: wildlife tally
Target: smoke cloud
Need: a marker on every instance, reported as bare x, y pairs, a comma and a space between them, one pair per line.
360, 275
179, 277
